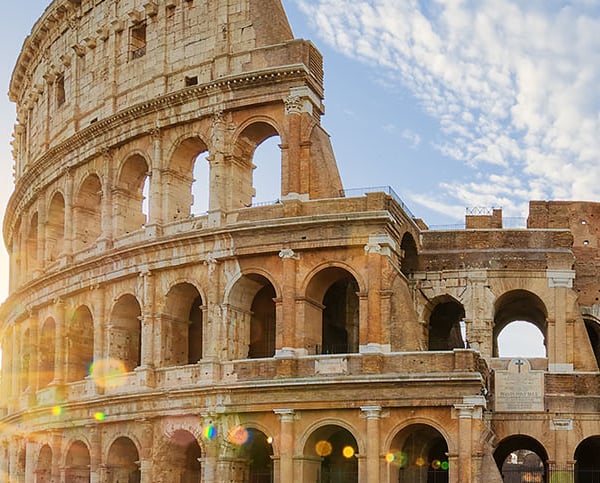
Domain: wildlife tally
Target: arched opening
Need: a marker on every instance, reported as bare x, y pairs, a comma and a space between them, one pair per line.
252, 304
266, 178
331, 456
336, 290
418, 453
587, 463
129, 198
445, 326
55, 228
77, 464
46, 356
519, 457
87, 212
592, 328
32, 245
124, 333
182, 461
183, 337
80, 344
521, 339
43, 468
258, 453
123, 461
265, 184
201, 185
187, 180
410, 261
518, 305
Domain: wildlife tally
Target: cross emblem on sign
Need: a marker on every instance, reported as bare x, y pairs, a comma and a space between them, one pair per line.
519, 363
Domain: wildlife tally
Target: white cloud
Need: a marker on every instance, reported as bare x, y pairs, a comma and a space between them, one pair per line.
514, 85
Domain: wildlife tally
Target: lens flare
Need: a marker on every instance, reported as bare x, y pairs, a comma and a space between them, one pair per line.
99, 416
390, 457
348, 452
210, 432
270, 440
323, 448
445, 465
420, 461
238, 435
57, 411
106, 373
436, 464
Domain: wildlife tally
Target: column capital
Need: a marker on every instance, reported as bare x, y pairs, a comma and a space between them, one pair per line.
371, 412
286, 415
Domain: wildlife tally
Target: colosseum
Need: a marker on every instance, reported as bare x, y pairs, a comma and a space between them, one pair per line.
328, 336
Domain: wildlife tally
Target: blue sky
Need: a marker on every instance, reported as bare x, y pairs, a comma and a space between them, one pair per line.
454, 103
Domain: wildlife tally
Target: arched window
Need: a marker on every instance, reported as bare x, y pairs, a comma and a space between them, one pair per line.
80, 344
418, 453
253, 315
187, 180
183, 313
521, 339
592, 328
87, 212
124, 335
410, 261
32, 245
77, 464
519, 457
123, 461
46, 356
335, 449
181, 461
43, 468
445, 331
336, 290
55, 231
587, 466
251, 187
129, 199
519, 306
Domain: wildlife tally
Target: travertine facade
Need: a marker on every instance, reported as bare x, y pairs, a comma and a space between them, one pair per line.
312, 339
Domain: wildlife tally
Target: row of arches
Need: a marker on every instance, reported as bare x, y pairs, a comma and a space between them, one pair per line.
142, 192
418, 452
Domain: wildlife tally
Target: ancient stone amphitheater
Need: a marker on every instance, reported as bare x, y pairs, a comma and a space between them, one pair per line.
328, 336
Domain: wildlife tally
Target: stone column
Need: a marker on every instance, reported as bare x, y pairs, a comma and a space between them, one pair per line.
373, 416
470, 409
60, 334
14, 390
4, 459
147, 449
14, 475
100, 320
33, 353
155, 205
560, 342
107, 233
148, 305
286, 445
68, 228
30, 462
286, 342
95, 454
293, 179
218, 171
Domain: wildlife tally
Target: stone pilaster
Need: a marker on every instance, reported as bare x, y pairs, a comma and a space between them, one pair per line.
373, 417
286, 444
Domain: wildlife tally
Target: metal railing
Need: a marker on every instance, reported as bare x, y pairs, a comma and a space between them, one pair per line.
388, 190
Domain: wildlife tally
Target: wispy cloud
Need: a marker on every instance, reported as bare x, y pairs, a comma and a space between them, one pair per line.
513, 85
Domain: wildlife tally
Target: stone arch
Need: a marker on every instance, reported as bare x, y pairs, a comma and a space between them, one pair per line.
249, 136
333, 319
418, 452
587, 465
445, 315
518, 305
47, 357
122, 461
80, 344
87, 212
592, 327
257, 450
77, 463
55, 226
530, 456
124, 333
183, 317
43, 467
128, 198
410, 257
330, 455
31, 244
251, 301
180, 457
179, 176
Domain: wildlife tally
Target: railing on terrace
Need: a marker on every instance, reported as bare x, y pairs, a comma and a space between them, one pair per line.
508, 223
356, 192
